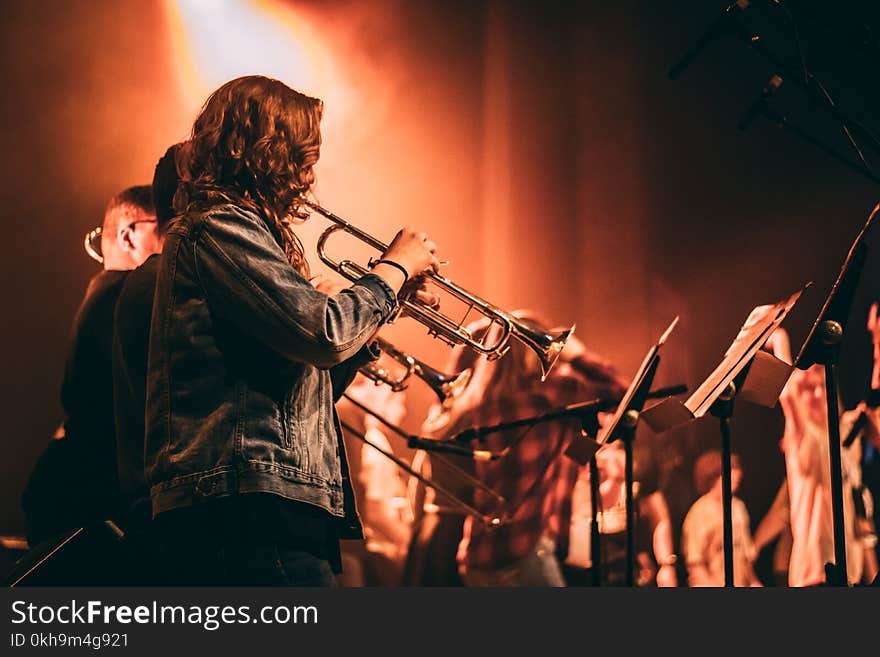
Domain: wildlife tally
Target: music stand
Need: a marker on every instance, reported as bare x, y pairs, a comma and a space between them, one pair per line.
623, 427
822, 347
746, 371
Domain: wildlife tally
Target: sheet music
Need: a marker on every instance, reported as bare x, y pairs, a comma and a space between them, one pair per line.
760, 323
608, 430
764, 388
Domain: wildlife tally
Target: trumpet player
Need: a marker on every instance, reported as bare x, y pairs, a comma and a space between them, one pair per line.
75, 483
247, 472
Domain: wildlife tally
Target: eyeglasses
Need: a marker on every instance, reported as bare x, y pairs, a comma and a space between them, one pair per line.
142, 221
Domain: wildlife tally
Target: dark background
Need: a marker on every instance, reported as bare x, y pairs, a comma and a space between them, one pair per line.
541, 144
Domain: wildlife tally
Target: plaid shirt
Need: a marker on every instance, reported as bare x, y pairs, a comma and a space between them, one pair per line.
533, 476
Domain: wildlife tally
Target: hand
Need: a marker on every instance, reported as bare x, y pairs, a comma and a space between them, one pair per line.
779, 344
418, 287
666, 577
413, 251
326, 285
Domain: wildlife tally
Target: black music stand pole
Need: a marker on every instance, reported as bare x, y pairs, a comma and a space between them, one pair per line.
595, 534
628, 437
839, 577
626, 432
723, 410
727, 501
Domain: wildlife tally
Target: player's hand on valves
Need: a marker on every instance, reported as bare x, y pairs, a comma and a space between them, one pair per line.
414, 251
418, 288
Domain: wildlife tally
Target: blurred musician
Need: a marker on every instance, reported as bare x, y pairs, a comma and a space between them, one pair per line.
805, 443
379, 487
522, 550
867, 426
702, 538
438, 522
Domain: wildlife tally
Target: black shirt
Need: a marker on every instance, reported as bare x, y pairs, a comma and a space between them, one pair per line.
74, 482
131, 336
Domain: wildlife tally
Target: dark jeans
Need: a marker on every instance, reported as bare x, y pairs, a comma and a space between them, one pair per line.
247, 540
242, 563
612, 575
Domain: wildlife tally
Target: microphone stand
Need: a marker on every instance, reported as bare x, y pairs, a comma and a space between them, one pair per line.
729, 24
806, 82
774, 116
580, 409
726, 24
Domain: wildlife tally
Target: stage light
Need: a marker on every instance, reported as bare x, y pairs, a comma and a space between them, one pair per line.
214, 42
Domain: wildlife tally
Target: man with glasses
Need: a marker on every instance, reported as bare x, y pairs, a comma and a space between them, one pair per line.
129, 235
75, 482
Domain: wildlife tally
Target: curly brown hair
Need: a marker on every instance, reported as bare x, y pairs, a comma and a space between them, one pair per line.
254, 144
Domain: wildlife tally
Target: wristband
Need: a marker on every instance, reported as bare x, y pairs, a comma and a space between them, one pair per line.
671, 560
396, 265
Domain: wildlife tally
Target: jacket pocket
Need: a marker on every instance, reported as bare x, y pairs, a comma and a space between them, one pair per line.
286, 429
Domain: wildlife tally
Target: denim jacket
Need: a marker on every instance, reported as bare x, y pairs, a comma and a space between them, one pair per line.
245, 361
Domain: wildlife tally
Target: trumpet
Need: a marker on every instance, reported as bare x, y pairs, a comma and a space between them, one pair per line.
446, 386
546, 345
88, 244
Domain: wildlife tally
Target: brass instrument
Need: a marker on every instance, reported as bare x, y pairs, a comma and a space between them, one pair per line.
88, 244
446, 386
547, 346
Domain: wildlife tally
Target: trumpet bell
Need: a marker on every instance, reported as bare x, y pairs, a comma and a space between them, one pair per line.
89, 245
447, 387
547, 346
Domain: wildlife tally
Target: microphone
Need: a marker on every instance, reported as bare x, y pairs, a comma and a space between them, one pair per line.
872, 401
579, 409
760, 103
860, 424
414, 442
721, 26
